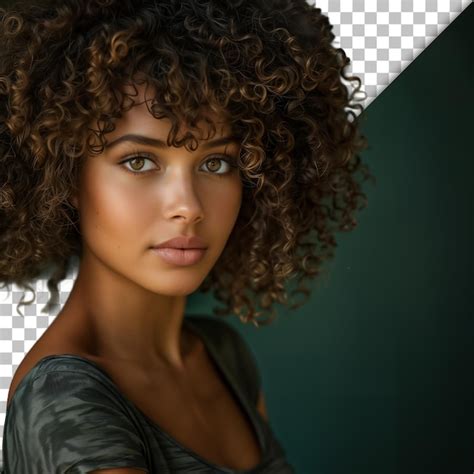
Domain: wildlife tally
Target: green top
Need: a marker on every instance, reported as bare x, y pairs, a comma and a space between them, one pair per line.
67, 416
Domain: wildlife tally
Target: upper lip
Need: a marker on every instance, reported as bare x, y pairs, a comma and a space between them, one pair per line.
183, 242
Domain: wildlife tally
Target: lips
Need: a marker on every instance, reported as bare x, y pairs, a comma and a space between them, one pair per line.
183, 242
181, 257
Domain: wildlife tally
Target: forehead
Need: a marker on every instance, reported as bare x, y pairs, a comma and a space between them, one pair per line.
139, 118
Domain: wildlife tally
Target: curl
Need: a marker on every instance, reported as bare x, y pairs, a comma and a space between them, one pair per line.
268, 68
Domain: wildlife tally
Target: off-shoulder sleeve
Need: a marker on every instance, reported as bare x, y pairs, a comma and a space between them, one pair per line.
69, 422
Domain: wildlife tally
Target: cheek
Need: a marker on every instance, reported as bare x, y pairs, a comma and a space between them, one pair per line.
110, 210
225, 207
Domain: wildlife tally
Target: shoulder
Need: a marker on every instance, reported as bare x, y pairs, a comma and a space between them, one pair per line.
65, 403
65, 381
233, 351
73, 380
37, 363
222, 331
225, 339
53, 343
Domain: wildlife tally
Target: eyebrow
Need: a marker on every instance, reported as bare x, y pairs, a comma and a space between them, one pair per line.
156, 142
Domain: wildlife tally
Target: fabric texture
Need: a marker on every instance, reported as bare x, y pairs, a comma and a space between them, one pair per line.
67, 416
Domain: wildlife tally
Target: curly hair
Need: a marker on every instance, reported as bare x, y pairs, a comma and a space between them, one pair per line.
268, 65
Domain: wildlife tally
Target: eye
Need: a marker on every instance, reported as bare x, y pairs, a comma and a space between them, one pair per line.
213, 164
135, 162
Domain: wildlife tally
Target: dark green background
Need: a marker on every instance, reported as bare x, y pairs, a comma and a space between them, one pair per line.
375, 373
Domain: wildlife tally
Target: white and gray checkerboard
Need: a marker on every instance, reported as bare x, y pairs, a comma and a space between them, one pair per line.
380, 37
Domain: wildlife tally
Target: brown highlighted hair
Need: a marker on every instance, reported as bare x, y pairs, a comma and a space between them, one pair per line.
268, 65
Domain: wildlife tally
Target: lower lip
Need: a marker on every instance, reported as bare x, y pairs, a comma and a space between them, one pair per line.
180, 257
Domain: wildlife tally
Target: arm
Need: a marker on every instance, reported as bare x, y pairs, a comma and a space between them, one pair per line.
261, 406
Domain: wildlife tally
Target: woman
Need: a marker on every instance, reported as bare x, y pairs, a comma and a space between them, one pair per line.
223, 127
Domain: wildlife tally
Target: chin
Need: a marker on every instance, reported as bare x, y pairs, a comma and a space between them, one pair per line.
176, 286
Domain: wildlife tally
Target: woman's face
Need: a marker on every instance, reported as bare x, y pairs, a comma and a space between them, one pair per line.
126, 207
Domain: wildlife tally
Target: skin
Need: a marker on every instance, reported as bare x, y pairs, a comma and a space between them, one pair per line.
126, 308
121, 216
131, 300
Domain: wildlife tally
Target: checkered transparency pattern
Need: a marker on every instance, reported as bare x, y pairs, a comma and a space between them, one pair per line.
380, 37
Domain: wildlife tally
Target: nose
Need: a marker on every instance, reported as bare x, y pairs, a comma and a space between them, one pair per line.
180, 198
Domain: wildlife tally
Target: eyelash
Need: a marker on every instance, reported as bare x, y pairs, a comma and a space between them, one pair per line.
228, 159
